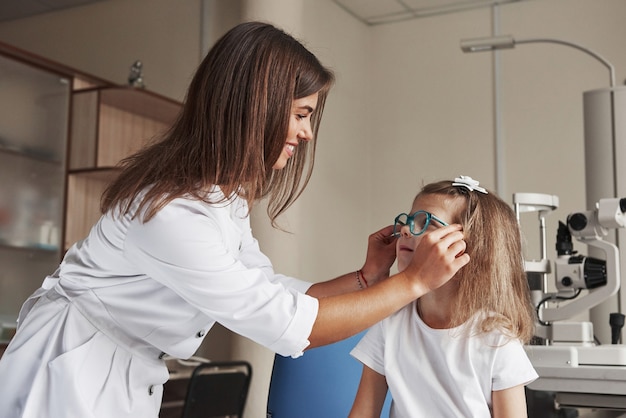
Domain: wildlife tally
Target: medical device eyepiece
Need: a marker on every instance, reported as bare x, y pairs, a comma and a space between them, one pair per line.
575, 272
564, 244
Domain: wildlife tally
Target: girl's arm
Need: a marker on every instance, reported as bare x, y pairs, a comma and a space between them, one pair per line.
370, 397
509, 403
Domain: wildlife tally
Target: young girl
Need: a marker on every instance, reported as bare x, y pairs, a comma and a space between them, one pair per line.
456, 351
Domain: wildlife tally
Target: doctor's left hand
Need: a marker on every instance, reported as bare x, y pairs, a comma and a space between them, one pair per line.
381, 253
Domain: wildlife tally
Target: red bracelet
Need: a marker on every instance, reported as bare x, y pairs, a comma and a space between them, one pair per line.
362, 276
358, 280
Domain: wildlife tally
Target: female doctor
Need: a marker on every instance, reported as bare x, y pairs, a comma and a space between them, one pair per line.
173, 252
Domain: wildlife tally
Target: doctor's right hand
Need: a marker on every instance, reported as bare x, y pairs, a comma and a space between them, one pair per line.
438, 256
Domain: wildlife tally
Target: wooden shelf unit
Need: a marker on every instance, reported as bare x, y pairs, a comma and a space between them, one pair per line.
108, 124
62, 134
35, 108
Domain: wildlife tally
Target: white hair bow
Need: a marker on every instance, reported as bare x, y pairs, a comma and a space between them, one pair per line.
469, 183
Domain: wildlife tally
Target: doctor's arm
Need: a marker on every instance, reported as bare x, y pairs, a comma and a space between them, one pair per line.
438, 256
381, 253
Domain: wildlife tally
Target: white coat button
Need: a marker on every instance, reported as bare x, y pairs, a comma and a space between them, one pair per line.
151, 390
200, 333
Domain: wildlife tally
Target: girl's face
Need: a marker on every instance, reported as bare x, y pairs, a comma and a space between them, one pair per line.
299, 127
443, 207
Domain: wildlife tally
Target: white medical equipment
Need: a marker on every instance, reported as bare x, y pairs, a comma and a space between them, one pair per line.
565, 355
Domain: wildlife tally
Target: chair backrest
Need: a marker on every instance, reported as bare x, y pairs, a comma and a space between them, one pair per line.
321, 383
218, 389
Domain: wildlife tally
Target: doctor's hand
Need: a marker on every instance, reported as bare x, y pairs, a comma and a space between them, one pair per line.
381, 253
438, 256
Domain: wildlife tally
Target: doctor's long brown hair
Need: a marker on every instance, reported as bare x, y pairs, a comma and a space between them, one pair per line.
494, 283
232, 128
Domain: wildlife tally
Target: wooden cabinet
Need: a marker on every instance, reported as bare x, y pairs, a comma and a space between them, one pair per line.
108, 124
62, 132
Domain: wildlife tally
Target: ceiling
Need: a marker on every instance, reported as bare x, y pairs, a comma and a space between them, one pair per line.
370, 12
376, 12
17, 9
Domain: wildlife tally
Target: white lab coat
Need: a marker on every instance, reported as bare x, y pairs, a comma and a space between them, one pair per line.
89, 341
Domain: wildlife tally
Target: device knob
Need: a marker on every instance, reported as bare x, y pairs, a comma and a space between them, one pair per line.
577, 221
616, 320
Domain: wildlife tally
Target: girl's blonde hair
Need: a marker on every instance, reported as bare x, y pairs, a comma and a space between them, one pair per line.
494, 284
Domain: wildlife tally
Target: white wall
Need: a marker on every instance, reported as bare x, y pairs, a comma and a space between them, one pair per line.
409, 107
432, 109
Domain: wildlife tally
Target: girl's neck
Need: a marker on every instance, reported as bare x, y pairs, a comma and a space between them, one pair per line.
435, 308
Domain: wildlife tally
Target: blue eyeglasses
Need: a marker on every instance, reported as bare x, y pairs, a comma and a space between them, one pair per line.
418, 222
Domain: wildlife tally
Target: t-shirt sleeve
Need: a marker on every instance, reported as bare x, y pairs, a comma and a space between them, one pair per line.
512, 367
371, 349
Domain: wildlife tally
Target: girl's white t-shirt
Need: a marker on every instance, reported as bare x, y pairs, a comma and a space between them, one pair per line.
442, 372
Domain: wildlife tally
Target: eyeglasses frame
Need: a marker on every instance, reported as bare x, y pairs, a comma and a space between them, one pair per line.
410, 222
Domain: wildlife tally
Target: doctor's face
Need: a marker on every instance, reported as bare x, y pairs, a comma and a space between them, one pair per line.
299, 128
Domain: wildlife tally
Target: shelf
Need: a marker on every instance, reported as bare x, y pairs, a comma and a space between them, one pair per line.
101, 174
142, 103
62, 135
35, 114
28, 247
109, 124
33, 154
